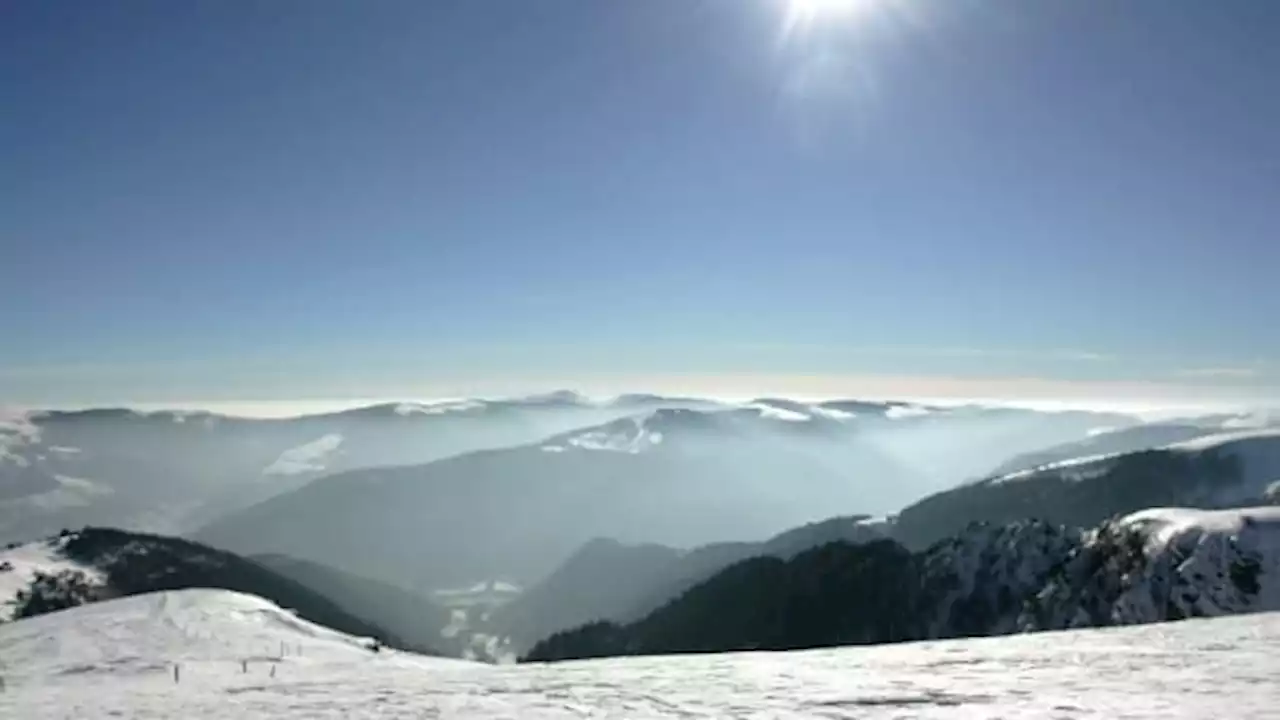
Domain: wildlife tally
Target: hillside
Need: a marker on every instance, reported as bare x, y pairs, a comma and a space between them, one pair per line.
1151, 566
1165, 564
819, 598
1219, 470
1147, 436
97, 564
413, 618
607, 580
173, 471
678, 477
117, 659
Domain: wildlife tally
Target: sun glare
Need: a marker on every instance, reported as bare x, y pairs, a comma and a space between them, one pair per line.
805, 15
807, 12
820, 8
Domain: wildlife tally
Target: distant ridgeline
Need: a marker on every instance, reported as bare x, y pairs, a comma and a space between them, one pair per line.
1150, 566
1079, 494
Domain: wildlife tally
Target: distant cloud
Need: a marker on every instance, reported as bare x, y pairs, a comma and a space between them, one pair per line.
1239, 373
954, 351
1086, 355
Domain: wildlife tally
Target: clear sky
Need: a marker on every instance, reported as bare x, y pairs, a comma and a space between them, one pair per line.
223, 199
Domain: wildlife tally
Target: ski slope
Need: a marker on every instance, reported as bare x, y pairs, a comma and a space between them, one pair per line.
116, 659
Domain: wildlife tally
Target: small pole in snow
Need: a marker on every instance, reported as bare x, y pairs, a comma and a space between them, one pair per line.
177, 671
273, 669
244, 666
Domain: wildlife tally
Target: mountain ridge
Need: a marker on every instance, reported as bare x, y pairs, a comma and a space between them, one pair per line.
1151, 566
93, 564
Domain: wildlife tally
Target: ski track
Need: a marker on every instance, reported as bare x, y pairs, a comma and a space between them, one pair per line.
115, 660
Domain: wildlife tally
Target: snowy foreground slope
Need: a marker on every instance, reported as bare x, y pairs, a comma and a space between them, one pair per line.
116, 659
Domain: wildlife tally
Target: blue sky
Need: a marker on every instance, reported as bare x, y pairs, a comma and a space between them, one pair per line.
212, 200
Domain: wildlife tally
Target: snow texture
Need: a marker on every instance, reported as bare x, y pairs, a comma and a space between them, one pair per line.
771, 412
200, 654
20, 564
629, 435
306, 458
899, 412
438, 408
832, 413
980, 577
1166, 564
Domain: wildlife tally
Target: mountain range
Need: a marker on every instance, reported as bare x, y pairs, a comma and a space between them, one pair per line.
478, 528
1151, 566
95, 564
174, 471
675, 476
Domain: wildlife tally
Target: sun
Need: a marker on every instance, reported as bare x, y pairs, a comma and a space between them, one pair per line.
805, 15
808, 11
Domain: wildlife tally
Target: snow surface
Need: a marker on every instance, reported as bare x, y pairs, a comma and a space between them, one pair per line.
310, 457
1168, 526
832, 413
1084, 467
899, 412
629, 435
1165, 564
438, 408
117, 658
772, 412
19, 565
1211, 542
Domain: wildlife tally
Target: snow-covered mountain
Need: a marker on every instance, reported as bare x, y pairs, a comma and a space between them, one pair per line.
608, 580
1223, 469
1116, 441
96, 564
1165, 564
676, 476
216, 654
1151, 566
172, 471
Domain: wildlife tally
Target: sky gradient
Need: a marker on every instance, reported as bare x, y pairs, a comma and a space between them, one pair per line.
228, 200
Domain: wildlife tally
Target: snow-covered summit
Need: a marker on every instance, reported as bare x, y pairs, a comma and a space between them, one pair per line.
628, 435
209, 632
651, 428
643, 431
96, 564
306, 458
1150, 566
1166, 564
